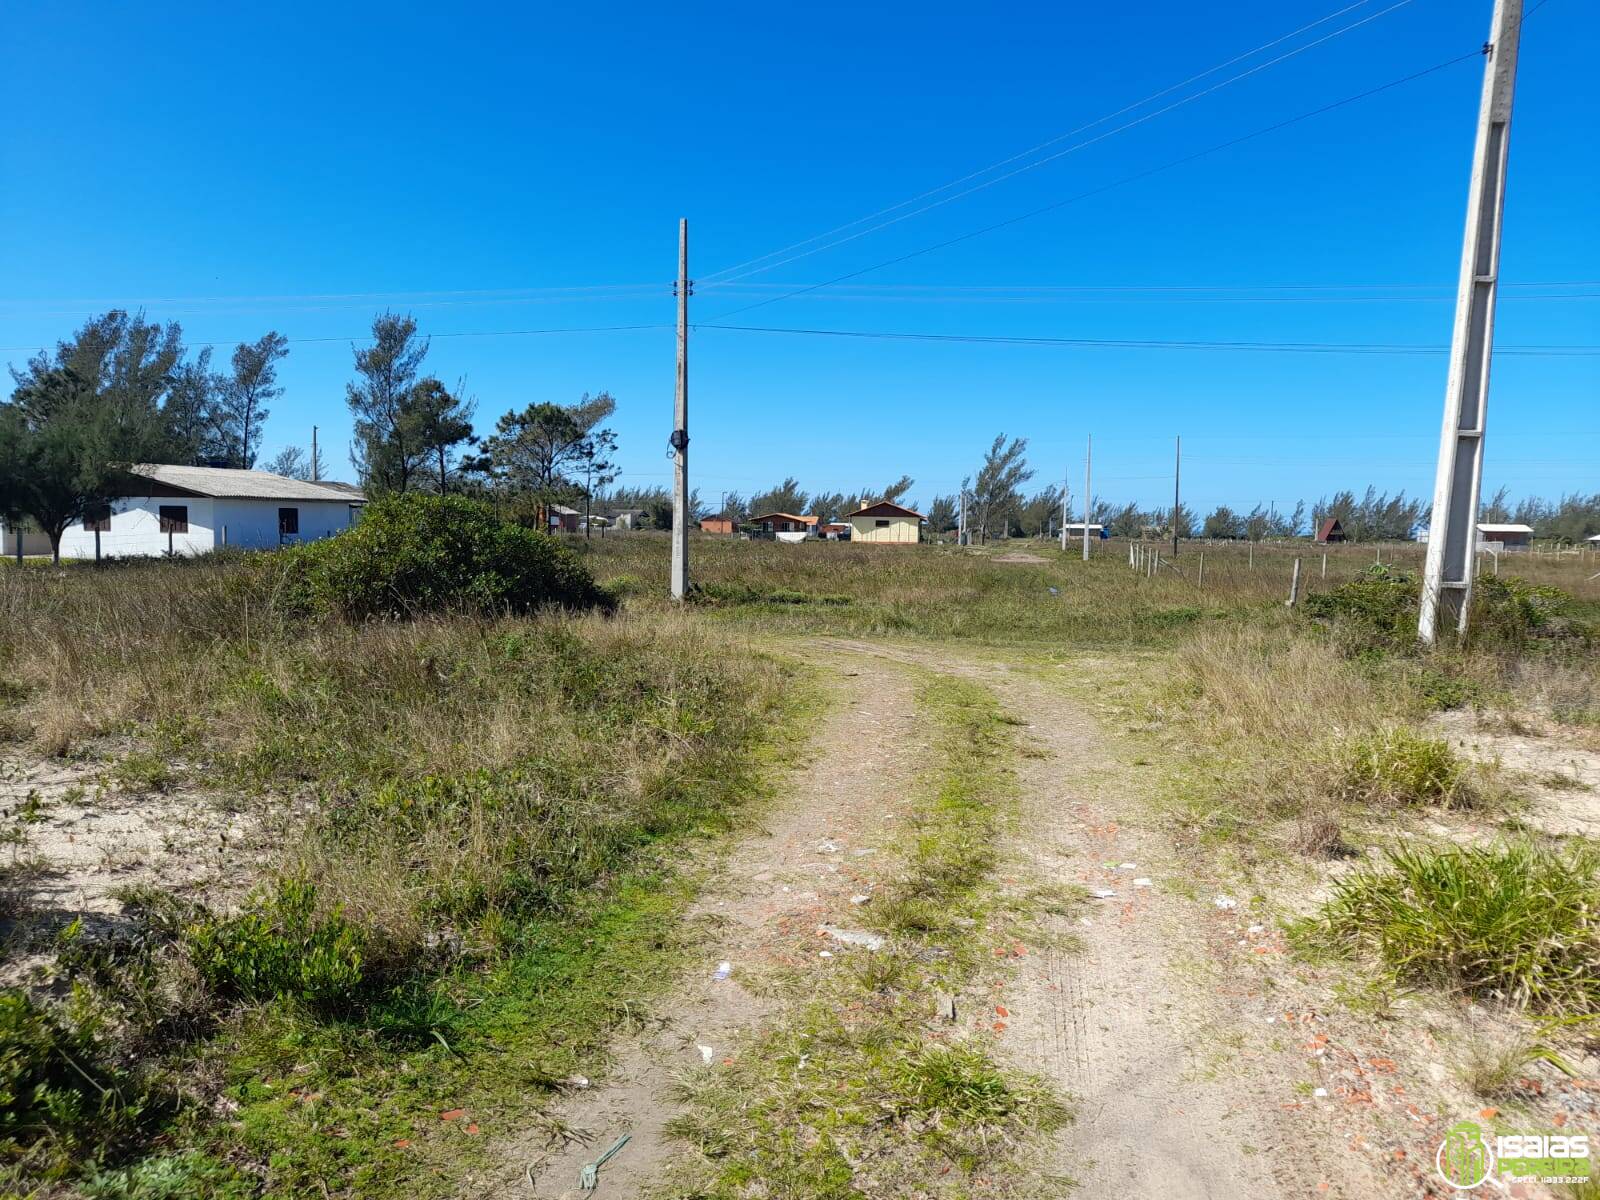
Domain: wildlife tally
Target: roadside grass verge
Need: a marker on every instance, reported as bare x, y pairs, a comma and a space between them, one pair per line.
858, 1088
1517, 923
483, 835
1276, 741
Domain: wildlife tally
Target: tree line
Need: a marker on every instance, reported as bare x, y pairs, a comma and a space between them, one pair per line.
124, 390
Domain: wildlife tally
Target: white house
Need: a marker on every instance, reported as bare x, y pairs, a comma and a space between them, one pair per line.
163, 509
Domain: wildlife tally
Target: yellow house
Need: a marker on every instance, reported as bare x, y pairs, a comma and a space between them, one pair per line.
885, 522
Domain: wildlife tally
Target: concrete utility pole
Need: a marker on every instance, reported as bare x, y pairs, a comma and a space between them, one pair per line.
1088, 454
680, 427
1063, 510
315, 475
1447, 576
1177, 472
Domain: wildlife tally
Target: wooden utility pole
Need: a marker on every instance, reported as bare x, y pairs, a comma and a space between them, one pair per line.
315, 474
1088, 455
1177, 472
680, 427
1447, 575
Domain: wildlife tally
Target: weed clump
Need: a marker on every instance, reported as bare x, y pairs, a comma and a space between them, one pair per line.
416, 554
1375, 613
1517, 923
1400, 767
281, 946
1511, 613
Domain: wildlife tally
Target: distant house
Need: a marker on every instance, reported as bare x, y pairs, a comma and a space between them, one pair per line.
835, 531
717, 525
780, 522
161, 509
628, 518
886, 522
1506, 536
1593, 541
567, 520
1330, 530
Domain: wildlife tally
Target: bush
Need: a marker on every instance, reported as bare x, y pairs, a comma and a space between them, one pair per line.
1397, 766
1375, 612
1517, 923
59, 1100
1512, 612
418, 553
280, 946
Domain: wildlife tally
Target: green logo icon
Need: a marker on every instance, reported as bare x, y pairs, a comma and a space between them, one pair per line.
1465, 1157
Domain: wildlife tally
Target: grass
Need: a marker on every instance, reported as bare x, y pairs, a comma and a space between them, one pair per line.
1517, 923
858, 1088
481, 835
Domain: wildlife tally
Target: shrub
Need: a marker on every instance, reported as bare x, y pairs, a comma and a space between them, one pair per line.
417, 553
281, 946
1397, 766
1375, 612
1513, 612
58, 1099
1517, 923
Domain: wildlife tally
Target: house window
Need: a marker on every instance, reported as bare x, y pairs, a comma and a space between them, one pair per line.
881, 523
98, 520
174, 518
288, 522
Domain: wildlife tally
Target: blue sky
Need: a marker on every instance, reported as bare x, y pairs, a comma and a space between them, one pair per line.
299, 167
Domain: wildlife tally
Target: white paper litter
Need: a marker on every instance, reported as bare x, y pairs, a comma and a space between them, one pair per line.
1225, 902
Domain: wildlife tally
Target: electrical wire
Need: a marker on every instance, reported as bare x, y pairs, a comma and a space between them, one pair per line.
1160, 343
1044, 145
1073, 149
1124, 181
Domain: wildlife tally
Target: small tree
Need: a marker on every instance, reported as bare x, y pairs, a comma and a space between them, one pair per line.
997, 490
438, 422
385, 452
243, 395
293, 462
78, 416
533, 453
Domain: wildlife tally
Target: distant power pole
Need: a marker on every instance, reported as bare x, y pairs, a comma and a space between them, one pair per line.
1177, 473
680, 427
1063, 511
961, 521
1088, 454
315, 476
1447, 576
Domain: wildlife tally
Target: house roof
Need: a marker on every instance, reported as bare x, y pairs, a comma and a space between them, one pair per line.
1327, 528
782, 516
563, 510
886, 508
233, 483
1505, 528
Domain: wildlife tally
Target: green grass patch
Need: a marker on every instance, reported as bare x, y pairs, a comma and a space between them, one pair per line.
1400, 767
1518, 923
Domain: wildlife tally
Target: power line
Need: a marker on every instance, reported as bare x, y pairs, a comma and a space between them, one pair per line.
1044, 145
1161, 343
464, 333
1073, 149
1127, 179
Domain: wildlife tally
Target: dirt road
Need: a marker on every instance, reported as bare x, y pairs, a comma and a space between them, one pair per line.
1131, 1027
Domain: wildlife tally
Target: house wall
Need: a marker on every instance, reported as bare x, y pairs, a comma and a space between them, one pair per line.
34, 541
136, 529
900, 530
251, 524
